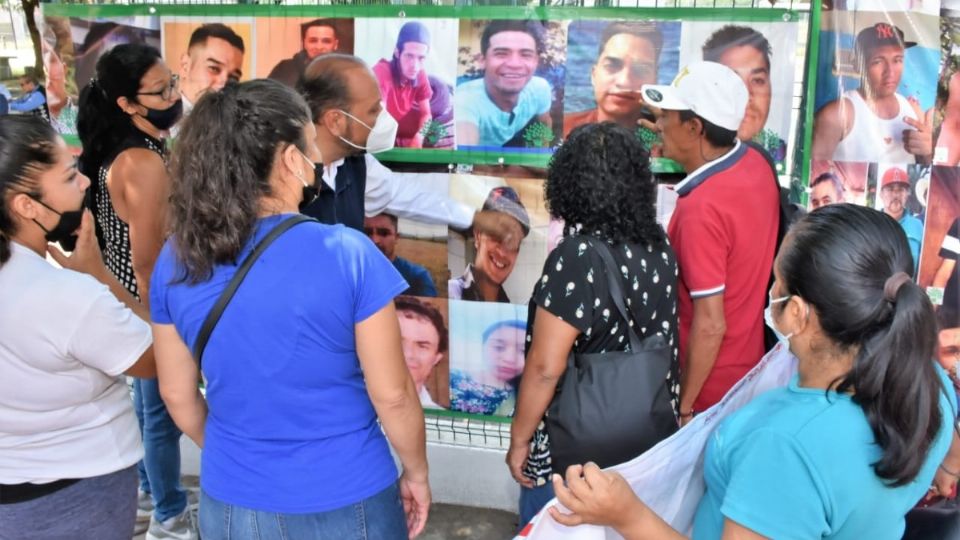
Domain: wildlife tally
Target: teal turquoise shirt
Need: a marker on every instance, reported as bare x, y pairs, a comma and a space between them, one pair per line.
913, 228
795, 463
495, 126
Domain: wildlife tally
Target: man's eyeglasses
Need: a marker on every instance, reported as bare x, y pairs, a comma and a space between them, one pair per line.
167, 91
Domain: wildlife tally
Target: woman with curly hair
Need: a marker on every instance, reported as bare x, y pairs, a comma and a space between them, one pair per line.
599, 183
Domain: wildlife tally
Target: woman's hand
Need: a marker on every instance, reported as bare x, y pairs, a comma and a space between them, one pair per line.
516, 460
596, 497
944, 484
416, 498
85, 257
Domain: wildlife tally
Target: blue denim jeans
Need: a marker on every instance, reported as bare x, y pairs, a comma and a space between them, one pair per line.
532, 500
378, 517
160, 468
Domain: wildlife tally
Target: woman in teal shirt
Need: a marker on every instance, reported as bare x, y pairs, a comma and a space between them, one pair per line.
855, 439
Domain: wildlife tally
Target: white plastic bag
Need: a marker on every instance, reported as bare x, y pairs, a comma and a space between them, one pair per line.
669, 477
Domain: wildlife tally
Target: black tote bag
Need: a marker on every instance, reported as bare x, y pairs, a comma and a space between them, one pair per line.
611, 407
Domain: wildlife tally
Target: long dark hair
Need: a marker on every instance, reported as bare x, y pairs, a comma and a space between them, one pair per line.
838, 258
101, 124
221, 168
28, 147
600, 178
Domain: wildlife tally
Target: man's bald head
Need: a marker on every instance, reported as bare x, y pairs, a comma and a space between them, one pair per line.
326, 82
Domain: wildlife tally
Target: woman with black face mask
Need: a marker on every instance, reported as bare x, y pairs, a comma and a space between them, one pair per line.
69, 445
124, 115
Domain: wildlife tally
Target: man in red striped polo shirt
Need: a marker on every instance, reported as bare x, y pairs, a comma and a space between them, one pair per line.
724, 229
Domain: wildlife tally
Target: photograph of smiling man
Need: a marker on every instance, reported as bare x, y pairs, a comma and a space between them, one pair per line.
511, 78
504, 268
867, 109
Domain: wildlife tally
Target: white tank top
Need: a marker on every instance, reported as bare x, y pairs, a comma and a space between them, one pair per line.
874, 139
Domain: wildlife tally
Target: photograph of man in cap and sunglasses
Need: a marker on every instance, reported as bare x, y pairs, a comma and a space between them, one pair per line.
868, 111
498, 268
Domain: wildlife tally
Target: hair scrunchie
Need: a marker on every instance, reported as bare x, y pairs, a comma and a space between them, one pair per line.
893, 284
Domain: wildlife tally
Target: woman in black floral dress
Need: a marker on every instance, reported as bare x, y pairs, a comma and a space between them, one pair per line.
599, 183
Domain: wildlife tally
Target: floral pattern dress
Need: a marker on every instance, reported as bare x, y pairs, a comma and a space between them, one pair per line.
471, 396
574, 288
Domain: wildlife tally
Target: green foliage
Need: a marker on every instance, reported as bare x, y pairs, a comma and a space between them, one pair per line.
538, 135
433, 132
648, 137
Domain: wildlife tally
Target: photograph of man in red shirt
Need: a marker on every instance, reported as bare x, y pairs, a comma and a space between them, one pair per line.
404, 84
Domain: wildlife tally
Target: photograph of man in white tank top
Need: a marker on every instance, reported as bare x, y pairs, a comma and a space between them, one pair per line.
874, 123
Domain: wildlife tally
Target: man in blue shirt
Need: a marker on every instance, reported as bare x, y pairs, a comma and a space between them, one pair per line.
382, 229
33, 100
496, 108
894, 192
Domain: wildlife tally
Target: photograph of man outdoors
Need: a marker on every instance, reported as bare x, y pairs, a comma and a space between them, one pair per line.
382, 230
509, 104
415, 75
624, 57
882, 119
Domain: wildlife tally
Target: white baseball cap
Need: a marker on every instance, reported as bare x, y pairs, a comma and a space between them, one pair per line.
711, 90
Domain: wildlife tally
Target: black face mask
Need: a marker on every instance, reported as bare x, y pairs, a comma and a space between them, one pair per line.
165, 119
310, 193
65, 231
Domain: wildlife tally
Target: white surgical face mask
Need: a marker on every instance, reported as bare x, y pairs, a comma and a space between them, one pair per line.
382, 134
768, 317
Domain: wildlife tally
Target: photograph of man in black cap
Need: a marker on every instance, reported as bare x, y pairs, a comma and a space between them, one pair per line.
874, 122
404, 83
495, 256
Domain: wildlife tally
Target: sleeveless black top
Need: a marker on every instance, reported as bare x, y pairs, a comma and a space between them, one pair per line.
117, 254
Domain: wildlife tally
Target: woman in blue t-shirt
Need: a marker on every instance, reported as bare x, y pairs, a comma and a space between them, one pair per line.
854, 440
305, 358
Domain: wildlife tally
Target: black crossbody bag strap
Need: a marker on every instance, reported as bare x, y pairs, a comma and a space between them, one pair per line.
617, 293
217, 311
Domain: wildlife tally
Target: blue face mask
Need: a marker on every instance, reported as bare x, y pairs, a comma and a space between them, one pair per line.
768, 317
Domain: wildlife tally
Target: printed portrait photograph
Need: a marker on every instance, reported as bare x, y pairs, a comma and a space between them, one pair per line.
417, 250
764, 56
503, 264
876, 87
425, 339
510, 84
486, 356
94, 37
417, 70
208, 52
286, 45
607, 63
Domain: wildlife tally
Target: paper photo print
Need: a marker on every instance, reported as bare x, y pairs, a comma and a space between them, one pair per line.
417, 250
607, 63
417, 70
286, 45
486, 356
503, 262
425, 338
510, 87
208, 52
876, 84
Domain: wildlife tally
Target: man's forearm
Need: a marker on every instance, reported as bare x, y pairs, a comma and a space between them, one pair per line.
702, 354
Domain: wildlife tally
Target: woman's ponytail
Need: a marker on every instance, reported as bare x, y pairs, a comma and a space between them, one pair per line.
853, 265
